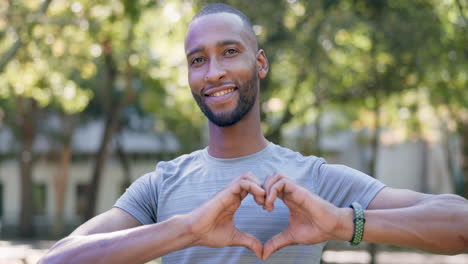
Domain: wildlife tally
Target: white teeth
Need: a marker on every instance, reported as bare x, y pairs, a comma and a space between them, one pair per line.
221, 93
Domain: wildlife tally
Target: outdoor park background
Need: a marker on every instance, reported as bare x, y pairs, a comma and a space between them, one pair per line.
94, 93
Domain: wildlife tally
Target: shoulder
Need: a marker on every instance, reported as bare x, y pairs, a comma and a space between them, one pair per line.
342, 171
291, 156
166, 169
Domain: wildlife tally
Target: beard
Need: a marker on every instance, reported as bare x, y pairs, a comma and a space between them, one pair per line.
247, 95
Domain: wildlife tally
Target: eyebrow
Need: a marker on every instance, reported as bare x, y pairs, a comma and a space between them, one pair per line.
219, 43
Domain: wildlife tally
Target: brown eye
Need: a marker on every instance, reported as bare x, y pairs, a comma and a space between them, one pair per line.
231, 52
197, 61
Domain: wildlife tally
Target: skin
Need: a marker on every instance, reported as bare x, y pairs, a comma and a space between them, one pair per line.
117, 237
221, 55
224, 53
434, 223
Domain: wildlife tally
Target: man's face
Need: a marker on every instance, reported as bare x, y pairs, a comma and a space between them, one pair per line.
222, 68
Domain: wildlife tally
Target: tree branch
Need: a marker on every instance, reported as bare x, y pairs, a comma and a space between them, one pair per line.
460, 9
10, 54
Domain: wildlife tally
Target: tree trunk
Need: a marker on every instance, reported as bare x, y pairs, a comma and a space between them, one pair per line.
101, 158
373, 161
463, 130
375, 139
423, 177
275, 134
112, 108
61, 178
125, 164
318, 128
27, 207
60, 184
27, 109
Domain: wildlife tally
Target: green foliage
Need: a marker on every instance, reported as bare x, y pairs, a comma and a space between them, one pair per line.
324, 55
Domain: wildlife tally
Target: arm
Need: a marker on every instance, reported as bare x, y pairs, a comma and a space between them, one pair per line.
116, 237
435, 223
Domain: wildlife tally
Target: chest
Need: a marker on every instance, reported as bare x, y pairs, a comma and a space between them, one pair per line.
188, 191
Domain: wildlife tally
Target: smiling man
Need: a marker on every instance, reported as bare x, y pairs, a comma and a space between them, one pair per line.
235, 49
243, 199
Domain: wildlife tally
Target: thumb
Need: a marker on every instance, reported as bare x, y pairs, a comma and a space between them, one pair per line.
275, 243
248, 241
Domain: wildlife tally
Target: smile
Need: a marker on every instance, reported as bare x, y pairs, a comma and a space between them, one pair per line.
221, 93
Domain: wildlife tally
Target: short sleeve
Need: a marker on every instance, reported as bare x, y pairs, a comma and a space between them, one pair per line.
141, 199
342, 185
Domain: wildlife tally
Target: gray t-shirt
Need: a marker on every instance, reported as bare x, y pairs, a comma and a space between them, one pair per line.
183, 184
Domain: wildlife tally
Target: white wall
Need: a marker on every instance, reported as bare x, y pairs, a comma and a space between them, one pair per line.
80, 173
400, 166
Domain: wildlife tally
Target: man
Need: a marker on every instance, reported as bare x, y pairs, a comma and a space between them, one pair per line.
220, 204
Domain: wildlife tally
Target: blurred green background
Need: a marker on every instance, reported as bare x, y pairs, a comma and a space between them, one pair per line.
94, 93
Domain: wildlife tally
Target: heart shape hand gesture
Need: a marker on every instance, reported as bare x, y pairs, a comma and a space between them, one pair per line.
212, 224
311, 219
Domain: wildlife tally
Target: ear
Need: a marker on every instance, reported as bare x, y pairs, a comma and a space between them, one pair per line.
262, 64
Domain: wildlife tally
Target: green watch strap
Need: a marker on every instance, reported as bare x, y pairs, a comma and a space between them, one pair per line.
359, 221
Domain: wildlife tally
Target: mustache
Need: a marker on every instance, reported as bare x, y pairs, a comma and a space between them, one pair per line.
234, 83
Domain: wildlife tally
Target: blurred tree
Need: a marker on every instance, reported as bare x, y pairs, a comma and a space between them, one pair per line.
23, 29
142, 67
447, 83
113, 29
32, 80
21, 111
390, 35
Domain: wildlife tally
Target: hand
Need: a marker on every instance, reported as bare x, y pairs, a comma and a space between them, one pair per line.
311, 219
212, 223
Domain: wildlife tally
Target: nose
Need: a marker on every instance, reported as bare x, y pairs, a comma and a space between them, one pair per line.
215, 72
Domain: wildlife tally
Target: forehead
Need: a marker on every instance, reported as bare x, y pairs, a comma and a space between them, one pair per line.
215, 28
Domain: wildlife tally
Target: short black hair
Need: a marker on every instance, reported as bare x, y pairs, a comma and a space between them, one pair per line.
224, 8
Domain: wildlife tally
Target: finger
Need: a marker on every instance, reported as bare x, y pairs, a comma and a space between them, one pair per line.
257, 192
275, 243
250, 176
277, 188
259, 198
247, 176
270, 181
274, 191
248, 241
243, 194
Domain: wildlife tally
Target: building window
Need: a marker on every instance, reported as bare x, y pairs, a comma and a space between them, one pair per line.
39, 198
80, 206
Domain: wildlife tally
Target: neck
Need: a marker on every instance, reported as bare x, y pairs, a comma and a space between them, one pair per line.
241, 139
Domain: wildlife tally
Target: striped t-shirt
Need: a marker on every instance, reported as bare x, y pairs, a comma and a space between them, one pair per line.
183, 184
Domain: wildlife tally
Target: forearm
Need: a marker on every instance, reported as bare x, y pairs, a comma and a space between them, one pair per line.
135, 245
438, 224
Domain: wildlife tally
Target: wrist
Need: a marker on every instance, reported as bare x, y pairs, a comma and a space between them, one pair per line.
345, 229
184, 224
